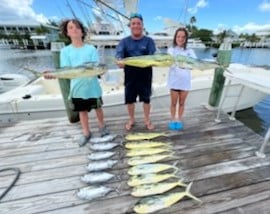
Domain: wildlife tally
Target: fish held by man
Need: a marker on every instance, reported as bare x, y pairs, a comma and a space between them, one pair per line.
152, 204
86, 70
165, 60
156, 188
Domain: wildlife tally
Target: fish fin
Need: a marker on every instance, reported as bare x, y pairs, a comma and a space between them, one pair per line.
188, 193
181, 183
35, 72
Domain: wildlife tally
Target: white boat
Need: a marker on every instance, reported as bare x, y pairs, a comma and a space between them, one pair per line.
42, 98
11, 81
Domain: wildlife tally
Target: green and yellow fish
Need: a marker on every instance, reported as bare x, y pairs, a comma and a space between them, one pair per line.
148, 151
165, 60
144, 136
152, 204
150, 168
156, 188
145, 144
150, 178
86, 70
137, 160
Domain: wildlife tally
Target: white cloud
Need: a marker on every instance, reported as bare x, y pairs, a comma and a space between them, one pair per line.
12, 10
249, 28
264, 6
199, 4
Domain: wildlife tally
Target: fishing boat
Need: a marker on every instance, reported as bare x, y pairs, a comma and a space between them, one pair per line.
42, 98
11, 81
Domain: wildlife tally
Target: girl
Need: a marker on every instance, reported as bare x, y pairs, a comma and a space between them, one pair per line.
179, 79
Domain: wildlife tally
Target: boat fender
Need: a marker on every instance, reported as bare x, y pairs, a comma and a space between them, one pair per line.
27, 96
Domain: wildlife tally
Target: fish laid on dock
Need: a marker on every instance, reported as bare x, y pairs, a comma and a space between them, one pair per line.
153, 189
104, 139
165, 60
86, 70
103, 146
150, 168
144, 136
100, 155
93, 192
97, 177
150, 178
100, 165
152, 204
145, 144
137, 160
148, 151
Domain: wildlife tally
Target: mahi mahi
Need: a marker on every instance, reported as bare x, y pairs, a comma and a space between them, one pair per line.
145, 144
165, 60
152, 204
137, 160
144, 136
148, 151
85, 70
150, 168
156, 188
150, 178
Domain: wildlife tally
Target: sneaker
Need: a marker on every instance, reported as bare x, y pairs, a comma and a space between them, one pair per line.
178, 125
104, 131
171, 125
84, 139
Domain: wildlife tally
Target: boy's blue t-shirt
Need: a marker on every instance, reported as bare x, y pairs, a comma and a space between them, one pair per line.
86, 87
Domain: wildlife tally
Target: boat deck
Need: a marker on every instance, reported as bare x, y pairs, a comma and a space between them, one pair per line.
218, 158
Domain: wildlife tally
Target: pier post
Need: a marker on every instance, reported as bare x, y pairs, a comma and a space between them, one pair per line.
64, 84
224, 59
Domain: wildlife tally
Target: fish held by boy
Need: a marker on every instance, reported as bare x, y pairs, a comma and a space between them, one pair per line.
165, 60
85, 70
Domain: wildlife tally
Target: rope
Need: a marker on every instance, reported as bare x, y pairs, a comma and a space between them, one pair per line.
18, 172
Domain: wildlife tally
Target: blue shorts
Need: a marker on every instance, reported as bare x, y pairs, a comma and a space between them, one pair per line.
86, 105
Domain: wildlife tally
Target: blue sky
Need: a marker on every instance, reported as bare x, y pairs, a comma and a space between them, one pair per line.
238, 15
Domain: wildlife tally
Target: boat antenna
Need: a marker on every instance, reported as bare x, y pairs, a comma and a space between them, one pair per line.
116, 11
72, 11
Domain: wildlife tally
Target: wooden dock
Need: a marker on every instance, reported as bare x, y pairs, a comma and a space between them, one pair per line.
218, 158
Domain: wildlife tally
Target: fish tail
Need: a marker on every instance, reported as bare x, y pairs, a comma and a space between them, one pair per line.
35, 72
188, 193
180, 183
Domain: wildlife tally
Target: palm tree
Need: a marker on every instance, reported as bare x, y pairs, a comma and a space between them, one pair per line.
192, 21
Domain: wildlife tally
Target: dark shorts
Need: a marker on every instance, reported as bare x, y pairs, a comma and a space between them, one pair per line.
132, 91
86, 105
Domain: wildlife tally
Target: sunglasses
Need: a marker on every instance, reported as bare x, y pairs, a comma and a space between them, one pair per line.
136, 15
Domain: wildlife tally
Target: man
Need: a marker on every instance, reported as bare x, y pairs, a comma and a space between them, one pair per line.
138, 81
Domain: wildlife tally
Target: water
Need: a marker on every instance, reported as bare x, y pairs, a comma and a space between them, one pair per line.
257, 118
